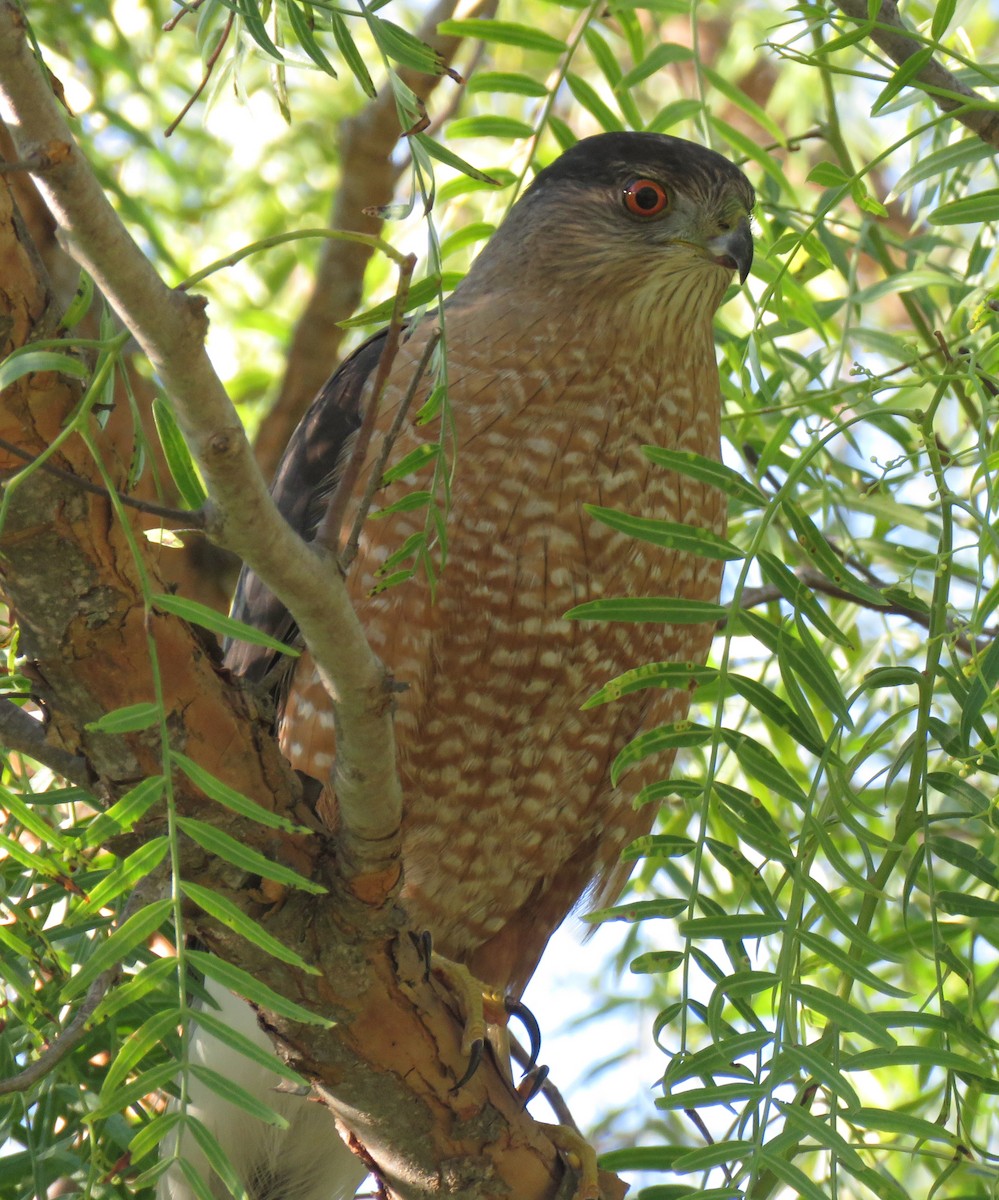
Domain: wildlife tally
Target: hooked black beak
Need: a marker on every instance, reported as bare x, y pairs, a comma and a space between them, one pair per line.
734, 249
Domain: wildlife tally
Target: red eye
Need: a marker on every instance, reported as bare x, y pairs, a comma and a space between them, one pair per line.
645, 198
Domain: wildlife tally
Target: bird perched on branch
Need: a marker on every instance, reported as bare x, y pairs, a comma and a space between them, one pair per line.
582, 332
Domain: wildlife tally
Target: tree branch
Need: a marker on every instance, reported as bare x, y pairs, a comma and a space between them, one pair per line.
77, 1029
241, 516
83, 604
949, 93
21, 732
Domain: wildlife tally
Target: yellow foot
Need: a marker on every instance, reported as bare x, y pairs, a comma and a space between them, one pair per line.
482, 1011
580, 1156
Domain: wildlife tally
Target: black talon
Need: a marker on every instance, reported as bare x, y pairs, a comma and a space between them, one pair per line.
531, 1084
524, 1015
474, 1062
424, 944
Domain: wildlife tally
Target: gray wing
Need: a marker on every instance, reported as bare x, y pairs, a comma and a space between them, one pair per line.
303, 483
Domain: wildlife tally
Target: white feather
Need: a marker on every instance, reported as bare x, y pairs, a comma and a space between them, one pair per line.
307, 1161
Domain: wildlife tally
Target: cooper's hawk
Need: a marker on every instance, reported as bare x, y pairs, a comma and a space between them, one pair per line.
582, 332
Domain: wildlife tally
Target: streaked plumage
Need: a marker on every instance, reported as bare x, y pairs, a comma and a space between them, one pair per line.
582, 332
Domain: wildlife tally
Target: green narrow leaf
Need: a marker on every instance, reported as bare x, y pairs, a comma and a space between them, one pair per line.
965, 857
663, 55
506, 33
250, 988
404, 47
468, 235
666, 609
817, 548
79, 306
801, 598
589, 98
886, 1120
130, 719
821, 1130
152, 1133
736, 927
943, 14
124, 814
178, 456
948, 158
264, 1058
675, 113
657, 741
449, 158
119, 945
29, 859
843, 1014
841, 919
351, 55
983, 683
229, 798
641, 1158
134, 1049
793, 1176
498, 81
128, 873
421, 293
250, 12
26, 362
716, 1155
744, 103
833, 956
681, 676
223, 910
233, 1093
686, 538
408, 503
696, 466
657, 962
147, 1084
777, 711
902, 77
637, 910
829, 174
761, 763
980, 209
217, 1161
710, 1097
803, 658
489, 125
26, 816
306, 38
208, 618
10, 939
754, 822
252, 861
792, 1061
149, 978
964, 905
659, 845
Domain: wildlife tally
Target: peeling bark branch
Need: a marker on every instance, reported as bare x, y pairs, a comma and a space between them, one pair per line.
241, 516
888, 33
68, 569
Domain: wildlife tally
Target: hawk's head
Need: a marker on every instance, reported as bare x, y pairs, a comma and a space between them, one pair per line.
631, 211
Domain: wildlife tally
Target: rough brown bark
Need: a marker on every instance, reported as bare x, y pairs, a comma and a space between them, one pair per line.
69, 574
